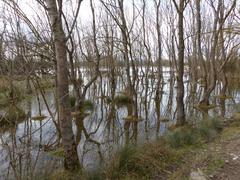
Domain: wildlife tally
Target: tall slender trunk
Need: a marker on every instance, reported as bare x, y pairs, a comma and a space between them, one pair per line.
223, 54
199, 44
180, 72
71, 157
159, 84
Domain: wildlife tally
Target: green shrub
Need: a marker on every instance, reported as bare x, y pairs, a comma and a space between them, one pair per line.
189, 137
209, 128
122, 100
182, 137
174, 139
123, 161
216, 124
13, 114
9, 95
206, 133
143, 162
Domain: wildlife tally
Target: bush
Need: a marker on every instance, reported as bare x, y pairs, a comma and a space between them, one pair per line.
206, 133
182, 137
209, 128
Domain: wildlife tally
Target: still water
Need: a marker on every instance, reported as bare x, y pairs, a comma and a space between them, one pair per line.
27, 148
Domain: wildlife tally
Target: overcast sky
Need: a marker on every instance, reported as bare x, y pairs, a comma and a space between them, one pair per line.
36, 14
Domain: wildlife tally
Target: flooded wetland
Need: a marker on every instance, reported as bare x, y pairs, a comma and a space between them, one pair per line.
110, 89
30, 144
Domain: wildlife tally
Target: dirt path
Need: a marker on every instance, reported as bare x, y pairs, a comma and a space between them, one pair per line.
220, 160
229, 149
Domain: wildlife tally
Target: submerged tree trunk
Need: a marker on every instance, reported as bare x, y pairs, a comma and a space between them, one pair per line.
180, 70
160, 81
219, 20
71, 157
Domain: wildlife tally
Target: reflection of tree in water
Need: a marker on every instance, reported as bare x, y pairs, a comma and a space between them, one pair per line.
103, 119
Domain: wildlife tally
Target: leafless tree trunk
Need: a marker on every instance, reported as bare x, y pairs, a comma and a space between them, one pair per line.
217, 27
180, 70
70, 148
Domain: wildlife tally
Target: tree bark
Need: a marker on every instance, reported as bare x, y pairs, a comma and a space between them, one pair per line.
180, 71
71, 157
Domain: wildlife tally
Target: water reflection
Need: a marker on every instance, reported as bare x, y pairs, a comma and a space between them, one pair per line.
26, 147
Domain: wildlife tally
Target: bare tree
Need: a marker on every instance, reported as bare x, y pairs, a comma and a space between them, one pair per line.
180, 70
71, 157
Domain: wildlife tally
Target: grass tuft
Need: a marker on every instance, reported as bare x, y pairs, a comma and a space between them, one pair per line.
183, 136
13, 114
145, 162
88, 105
209, 128
122, 100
